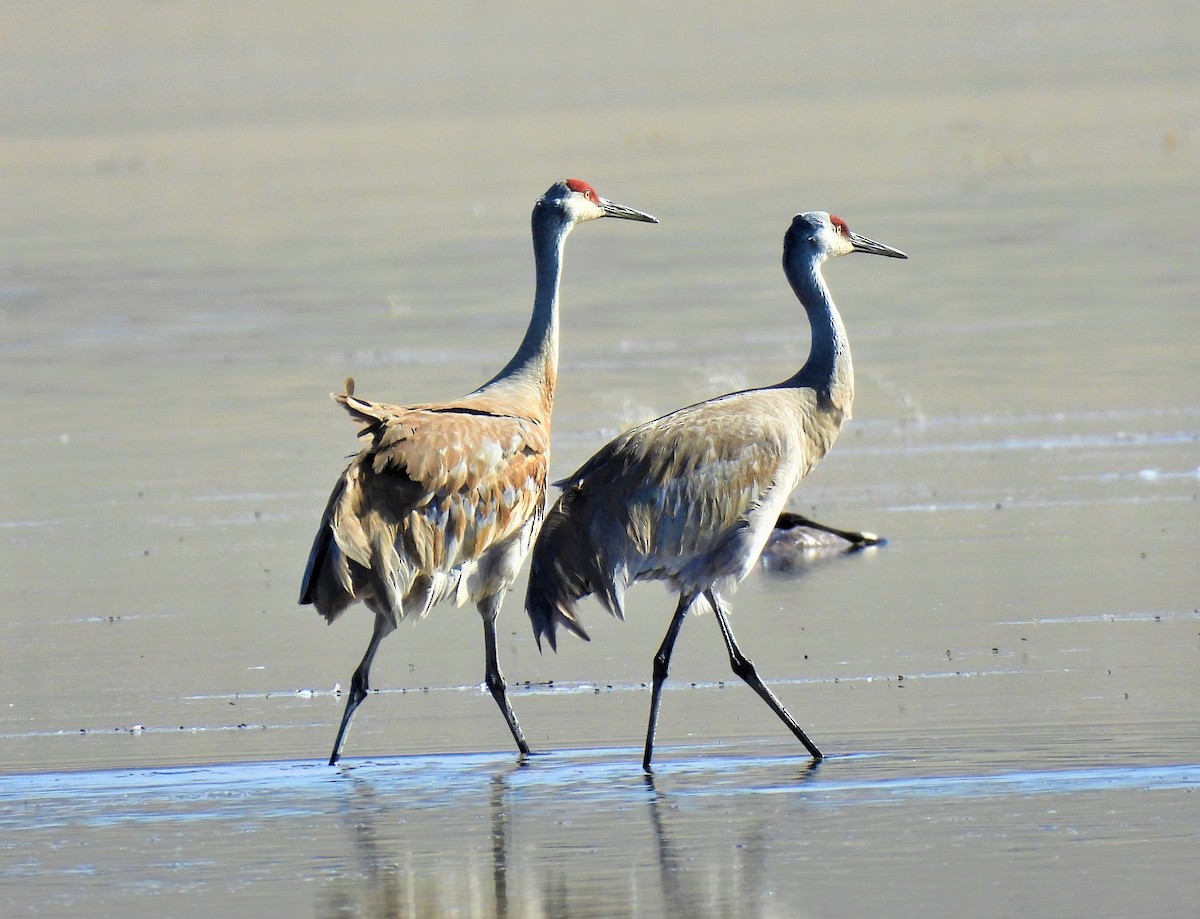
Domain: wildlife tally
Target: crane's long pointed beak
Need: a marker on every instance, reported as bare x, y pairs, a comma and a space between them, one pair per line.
862, 244
612, 209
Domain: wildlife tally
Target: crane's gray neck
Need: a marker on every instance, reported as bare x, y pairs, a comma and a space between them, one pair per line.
828, 369
535, 365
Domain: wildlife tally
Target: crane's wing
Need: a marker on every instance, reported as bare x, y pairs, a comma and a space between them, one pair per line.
689, 497
432, 491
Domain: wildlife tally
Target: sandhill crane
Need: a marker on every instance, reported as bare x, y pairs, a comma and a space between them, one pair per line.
443, 500
692, 497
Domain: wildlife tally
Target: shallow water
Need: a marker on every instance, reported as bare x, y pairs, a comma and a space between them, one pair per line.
209, 217
582, 833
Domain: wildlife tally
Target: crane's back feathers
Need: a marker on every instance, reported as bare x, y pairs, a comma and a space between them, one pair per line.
441, 503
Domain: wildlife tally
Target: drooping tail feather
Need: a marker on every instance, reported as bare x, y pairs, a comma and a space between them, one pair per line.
563, 570
327, 582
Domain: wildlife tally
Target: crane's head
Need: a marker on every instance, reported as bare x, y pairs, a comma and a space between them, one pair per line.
821, 235
573, 201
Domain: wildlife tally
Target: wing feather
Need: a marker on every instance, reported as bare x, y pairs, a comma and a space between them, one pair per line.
432, 493
689, 497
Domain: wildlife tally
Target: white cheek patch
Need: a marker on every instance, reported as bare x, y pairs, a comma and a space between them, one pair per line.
579, 209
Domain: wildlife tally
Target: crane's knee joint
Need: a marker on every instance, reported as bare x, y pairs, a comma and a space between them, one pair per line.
358, 688
660, 668
742, 666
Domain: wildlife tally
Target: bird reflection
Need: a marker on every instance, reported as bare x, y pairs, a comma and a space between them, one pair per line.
487, 842
698, 887
376, 887
389, 875
500, 841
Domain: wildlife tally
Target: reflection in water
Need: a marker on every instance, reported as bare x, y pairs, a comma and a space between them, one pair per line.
375, 888
585, 834
390, 873
674, 858
500, 838
683, 889
700, 886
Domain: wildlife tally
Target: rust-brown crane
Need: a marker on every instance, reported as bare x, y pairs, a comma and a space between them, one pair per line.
444, 499
692, 497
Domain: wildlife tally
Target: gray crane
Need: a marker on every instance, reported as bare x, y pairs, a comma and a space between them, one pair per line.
692, 497
443, 500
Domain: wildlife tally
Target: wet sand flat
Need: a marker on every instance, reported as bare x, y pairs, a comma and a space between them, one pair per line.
210, 216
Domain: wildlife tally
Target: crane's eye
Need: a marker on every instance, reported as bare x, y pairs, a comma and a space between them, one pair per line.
580, 187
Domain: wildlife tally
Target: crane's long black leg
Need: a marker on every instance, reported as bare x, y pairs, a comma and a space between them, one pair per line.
662, 663
744, 668
359, 683
489, 608
789, 520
